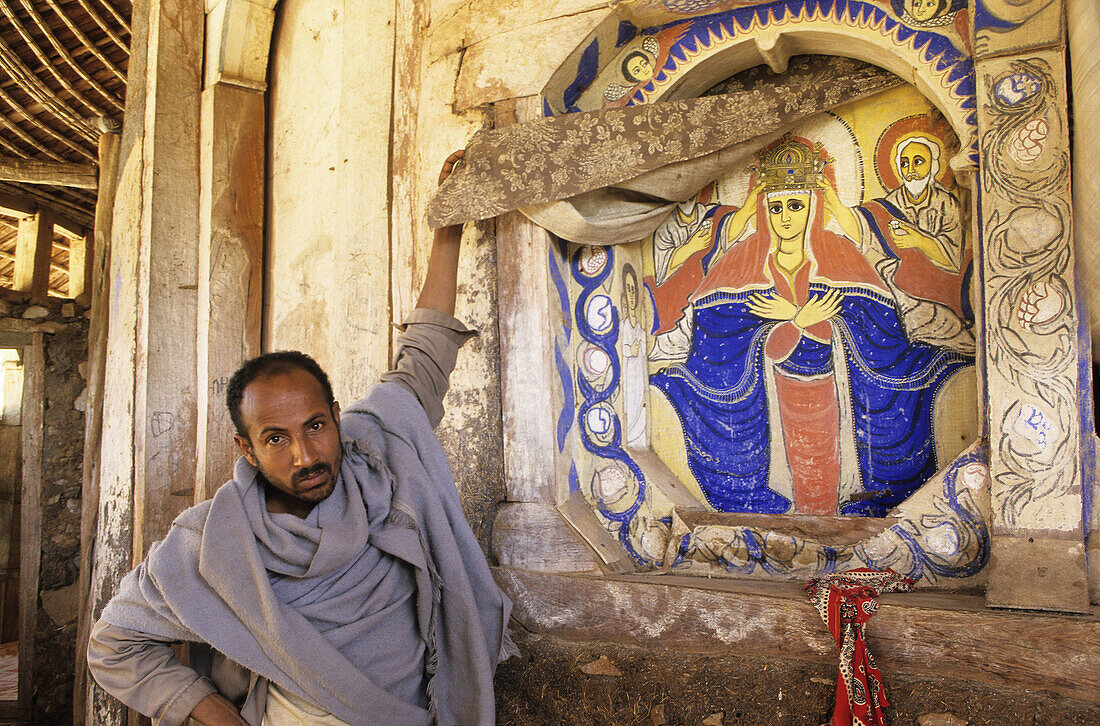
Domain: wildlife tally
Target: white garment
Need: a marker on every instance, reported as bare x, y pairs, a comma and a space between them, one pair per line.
634, 381
286, 709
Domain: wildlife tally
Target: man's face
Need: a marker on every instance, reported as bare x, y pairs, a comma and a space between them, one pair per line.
915, 167
788, 214
922, 9
293, 439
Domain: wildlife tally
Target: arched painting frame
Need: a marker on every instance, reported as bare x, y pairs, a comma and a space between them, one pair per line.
940, 535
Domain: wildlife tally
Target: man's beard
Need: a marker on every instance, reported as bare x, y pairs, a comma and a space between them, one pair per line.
916, 187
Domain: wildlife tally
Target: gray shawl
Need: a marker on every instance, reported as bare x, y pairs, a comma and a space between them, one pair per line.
209, 579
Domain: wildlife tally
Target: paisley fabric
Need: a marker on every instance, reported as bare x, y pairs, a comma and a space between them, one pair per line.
540, 162
846, 601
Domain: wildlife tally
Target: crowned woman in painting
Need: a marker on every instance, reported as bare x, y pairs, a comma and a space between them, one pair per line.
801, 391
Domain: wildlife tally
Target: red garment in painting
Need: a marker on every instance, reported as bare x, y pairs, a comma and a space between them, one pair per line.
809, 410
919, 276
846, 601
810, 416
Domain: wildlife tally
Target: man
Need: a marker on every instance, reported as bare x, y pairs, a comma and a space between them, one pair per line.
334, 579
922, 201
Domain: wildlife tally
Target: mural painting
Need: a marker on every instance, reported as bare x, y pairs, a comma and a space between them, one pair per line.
802, 388
929, 13
798, 337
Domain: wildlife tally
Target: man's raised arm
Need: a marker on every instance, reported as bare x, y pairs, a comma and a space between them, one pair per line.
427, 348
441, 281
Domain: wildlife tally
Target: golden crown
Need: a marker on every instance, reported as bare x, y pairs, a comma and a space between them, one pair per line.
791, 164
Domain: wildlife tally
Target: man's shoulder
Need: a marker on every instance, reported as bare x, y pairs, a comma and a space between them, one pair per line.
194, 518
388, 408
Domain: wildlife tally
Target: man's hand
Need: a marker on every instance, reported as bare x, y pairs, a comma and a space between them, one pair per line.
216, 710
449, 164
441, 281
819, 309
771, 307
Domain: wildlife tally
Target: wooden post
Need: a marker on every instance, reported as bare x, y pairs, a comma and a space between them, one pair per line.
147, 461
1032, 321
1084, 37
407, 234
230, 265
526, 360
99, 261
231, 220
34, 246
30, 521
167, 276
80, 264
526, 351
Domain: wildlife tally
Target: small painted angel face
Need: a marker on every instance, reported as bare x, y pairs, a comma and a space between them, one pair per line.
638, 66
789, 213
923, 9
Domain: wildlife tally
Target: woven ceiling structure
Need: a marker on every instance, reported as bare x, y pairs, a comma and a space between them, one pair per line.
62, 80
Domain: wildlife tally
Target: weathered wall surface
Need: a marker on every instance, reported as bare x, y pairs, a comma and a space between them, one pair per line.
327, 258
356, 136
65, 343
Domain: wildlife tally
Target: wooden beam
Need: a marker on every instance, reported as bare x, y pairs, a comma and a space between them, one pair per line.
935, 634
530, 536
53, 266
32, 255
54, 173
19, 207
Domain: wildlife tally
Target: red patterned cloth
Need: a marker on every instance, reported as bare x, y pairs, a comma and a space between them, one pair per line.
846, 601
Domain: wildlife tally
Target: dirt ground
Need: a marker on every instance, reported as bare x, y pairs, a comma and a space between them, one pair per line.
546, 686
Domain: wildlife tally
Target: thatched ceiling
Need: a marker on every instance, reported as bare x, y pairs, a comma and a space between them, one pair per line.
62, 70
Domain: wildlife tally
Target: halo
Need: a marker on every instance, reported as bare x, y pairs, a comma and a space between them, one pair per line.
845, 165
920, 125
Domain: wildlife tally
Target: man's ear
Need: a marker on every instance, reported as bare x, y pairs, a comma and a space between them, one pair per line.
336, 411
246, 449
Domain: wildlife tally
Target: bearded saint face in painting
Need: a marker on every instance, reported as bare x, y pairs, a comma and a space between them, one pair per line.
800, 391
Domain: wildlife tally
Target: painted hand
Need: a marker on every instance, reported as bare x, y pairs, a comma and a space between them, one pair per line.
754, 194
771, 307
898, 229
819, 309
832, 201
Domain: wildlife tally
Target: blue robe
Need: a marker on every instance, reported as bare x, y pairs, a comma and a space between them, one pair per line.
720, 395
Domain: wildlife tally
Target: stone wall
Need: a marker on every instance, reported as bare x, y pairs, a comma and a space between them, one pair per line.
65, 330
